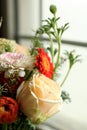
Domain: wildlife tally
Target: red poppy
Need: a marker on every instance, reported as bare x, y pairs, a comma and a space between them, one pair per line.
43, 63
8, 110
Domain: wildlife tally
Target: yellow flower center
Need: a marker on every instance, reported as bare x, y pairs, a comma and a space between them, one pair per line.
46, 63
2, 109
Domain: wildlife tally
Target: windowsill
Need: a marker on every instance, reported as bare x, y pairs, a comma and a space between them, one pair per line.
61, 122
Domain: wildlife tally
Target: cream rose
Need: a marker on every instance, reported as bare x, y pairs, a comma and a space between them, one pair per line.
39, 98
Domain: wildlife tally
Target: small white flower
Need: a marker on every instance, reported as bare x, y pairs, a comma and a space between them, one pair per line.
21, 73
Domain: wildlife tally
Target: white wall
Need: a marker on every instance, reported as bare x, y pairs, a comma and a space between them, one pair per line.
28, 16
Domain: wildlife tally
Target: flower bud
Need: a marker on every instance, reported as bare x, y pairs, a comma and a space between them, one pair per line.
39, 98
21, 73
53, 9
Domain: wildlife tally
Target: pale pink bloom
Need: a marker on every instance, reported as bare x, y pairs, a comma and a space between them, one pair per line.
16, 60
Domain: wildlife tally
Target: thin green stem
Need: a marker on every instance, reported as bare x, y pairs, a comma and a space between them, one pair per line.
4, 127
58, 39
52, 48
65, 77
56, 22
58, 56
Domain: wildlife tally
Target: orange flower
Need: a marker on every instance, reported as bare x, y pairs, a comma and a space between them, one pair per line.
39, 98
8, 110
43, 63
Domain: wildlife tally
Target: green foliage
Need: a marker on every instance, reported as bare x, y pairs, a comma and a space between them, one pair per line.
51, 28
4, 47
62, 29
21, 124
72, 58
3, 90
53, 31
36, 44
65, 96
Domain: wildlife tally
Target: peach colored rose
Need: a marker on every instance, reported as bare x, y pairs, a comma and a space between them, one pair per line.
39, 98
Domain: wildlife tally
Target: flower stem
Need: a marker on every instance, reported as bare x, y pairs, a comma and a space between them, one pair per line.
4, 127
52, 48
65, 77
58, 39
58, 57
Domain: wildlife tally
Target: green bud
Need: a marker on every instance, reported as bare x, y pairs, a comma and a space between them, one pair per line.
53, 9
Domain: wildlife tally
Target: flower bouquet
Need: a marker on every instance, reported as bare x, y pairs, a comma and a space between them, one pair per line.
29, 92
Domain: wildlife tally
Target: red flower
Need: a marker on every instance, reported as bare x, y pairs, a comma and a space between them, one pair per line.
10, 86
43, 63
8, 110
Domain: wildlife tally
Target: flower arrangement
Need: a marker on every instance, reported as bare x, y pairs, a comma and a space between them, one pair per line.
29, 92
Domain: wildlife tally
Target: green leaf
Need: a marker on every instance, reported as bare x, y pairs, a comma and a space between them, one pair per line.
65, 96
23, 123
55, 51
64, 28
72, 57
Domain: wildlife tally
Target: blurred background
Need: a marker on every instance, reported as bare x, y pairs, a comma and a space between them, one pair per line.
20, 20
